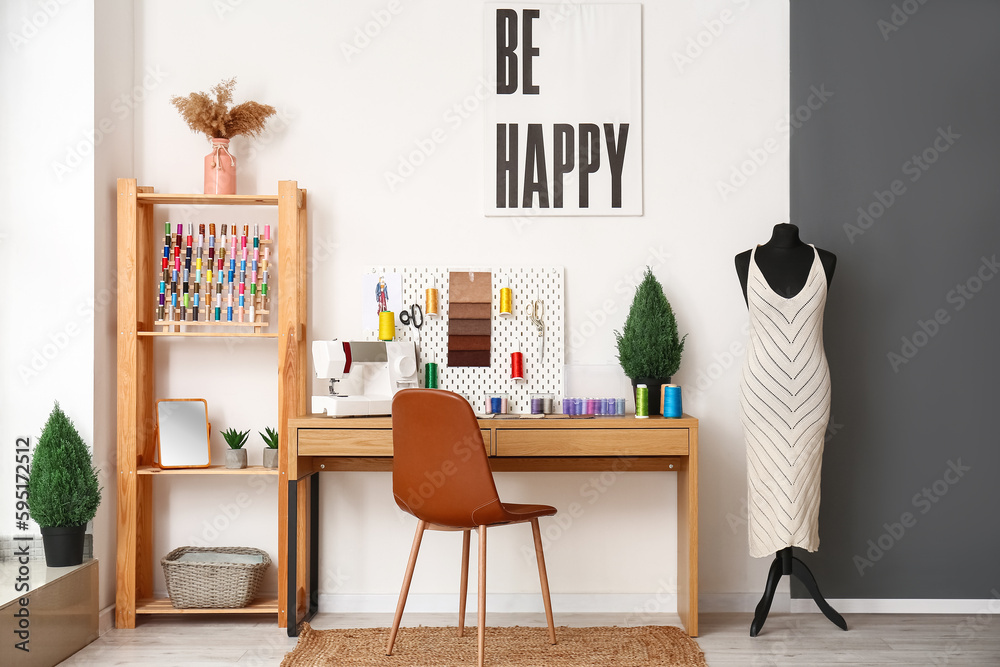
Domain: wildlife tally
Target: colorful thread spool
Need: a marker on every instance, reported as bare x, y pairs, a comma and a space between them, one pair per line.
386, 325
431, 301
670, 401
506, 301
430, 375
641, 401
517, 365
495, 404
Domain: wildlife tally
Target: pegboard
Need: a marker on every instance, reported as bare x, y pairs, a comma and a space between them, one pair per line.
542, 374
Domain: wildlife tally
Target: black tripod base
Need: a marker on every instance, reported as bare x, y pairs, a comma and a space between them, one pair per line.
785, 563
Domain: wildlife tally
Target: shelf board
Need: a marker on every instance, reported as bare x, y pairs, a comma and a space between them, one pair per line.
207, 200
262, 605
210, 470
206, 334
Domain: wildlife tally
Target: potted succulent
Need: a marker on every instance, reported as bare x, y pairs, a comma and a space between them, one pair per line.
63, 491
270, 437
236, 456
649, 348
211, 115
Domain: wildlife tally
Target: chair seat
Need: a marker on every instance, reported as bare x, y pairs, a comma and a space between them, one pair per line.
521, 512
504, 514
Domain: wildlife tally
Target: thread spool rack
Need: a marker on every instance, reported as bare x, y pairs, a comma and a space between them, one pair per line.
542, 373
215, 311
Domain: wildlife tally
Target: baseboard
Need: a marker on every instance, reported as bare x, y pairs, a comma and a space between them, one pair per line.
626, 604
634, 606
105, 620
741, 602
901, 606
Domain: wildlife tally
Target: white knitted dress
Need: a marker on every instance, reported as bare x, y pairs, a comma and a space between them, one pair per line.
785, 407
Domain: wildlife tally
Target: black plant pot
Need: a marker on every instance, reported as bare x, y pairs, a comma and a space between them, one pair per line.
653, 385
63, 545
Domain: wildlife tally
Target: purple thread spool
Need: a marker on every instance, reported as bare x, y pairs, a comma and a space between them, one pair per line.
536, 406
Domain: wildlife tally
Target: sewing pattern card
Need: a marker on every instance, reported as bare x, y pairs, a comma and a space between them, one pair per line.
380, 292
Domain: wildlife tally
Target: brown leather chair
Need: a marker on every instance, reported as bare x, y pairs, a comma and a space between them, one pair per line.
441, 475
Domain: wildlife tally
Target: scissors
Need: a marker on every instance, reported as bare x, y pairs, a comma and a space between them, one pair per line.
536, 312
410, 318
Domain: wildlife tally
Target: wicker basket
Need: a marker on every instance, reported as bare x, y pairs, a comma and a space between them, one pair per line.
213, 585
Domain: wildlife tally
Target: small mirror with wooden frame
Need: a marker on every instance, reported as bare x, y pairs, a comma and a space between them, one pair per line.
183, 433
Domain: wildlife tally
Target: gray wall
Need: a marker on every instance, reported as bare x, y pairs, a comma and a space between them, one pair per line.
901, 430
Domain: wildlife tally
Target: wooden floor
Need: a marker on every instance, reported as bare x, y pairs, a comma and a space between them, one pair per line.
799, 640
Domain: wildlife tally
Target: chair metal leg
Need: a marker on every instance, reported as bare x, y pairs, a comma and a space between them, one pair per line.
543, 579
464, 588
410, 565
482, 595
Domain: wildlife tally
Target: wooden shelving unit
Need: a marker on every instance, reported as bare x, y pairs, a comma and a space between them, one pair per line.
138, 248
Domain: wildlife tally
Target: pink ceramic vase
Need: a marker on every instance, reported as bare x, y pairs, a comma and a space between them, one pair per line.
220, 169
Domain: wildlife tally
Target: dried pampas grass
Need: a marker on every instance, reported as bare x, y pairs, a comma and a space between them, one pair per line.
211, 115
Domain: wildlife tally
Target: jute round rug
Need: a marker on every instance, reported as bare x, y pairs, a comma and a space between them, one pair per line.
505, 647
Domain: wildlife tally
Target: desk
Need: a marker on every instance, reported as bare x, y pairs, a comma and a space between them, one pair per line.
319, 444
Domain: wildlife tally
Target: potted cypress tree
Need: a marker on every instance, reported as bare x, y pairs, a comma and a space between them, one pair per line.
63, 491
649, 349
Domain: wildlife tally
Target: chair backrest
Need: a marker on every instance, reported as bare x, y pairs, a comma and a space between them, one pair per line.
440, 470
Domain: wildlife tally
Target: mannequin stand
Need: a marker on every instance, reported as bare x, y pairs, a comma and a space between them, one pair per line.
785, 563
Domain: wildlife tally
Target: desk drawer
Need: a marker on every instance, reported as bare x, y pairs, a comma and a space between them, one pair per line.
592, 442
352, 441
345, 442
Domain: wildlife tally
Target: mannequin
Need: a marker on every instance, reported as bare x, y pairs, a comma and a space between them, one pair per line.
785, 405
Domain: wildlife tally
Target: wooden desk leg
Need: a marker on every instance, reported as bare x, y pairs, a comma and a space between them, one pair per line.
302, 583
687, 538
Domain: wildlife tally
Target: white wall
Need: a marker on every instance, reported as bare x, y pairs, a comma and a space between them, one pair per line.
344, 124
115, 97
64, 65
46, 230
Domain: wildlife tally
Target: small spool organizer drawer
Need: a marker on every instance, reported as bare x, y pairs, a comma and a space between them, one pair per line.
352, 441
592, 442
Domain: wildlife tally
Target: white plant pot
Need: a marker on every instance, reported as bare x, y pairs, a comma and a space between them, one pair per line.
236, 458
270, 458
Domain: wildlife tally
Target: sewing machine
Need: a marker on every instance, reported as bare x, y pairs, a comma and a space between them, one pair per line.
364, 375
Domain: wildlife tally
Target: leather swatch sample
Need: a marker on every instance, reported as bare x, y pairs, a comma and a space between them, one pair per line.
470, 318
468, 343
469, 327
470, 287
468, 357
469, 311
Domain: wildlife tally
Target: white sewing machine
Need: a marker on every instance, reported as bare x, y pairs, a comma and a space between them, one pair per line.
364, 375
